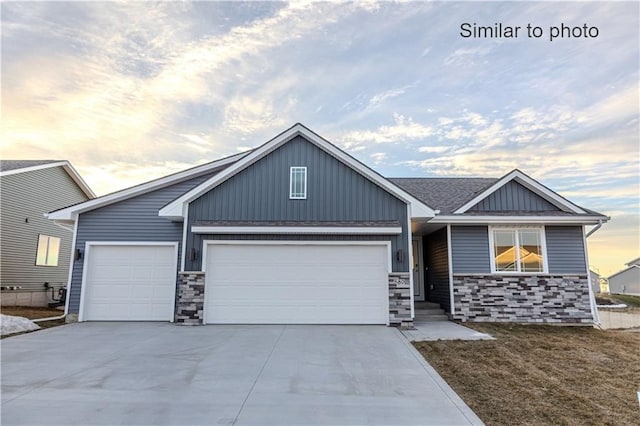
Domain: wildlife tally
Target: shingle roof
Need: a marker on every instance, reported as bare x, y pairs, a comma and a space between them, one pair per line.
6, 165
444, 194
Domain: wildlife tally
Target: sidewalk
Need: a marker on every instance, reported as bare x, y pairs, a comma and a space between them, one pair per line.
442, 330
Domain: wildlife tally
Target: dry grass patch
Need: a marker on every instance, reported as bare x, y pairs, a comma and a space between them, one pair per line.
30, 312
534, 375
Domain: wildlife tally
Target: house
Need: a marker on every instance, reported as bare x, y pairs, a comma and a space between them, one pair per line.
298, 231
626, 281
35, 253
594, 279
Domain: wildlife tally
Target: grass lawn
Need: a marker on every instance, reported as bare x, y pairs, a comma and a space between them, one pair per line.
534, 375
627, 299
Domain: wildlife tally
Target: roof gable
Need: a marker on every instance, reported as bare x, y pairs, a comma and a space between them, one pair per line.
176, 209
533, 186
70, 213
12, 167
513, 196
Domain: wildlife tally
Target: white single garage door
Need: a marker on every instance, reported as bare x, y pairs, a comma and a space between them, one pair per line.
129, 283
296, 284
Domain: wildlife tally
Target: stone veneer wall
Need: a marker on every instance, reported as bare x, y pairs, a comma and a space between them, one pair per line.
190, 300
400, 300
523, 298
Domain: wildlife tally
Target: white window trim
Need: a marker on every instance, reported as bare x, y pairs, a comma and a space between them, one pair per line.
543, 247
46, 258
291, 172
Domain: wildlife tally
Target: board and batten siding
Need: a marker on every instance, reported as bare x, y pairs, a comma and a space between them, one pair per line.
514, 197
565, 250
471, 252
26, 197
437, 274
135, 219
335, 192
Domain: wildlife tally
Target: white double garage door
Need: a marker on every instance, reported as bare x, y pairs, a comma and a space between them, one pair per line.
270, 282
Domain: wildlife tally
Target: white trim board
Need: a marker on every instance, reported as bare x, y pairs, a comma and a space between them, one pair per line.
349, 230
71, 171
70, 213
523, 220
176, 209
87, 251
205, 243
529, 183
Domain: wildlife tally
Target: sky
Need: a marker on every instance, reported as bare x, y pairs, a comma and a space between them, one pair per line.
132, 91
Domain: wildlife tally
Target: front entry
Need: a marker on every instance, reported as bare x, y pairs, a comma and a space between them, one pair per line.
417, 270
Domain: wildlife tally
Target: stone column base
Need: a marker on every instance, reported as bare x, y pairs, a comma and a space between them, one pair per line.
400, 300
190, 299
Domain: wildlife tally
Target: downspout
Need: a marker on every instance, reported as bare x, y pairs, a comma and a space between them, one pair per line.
598, 226
592, 296
71, 260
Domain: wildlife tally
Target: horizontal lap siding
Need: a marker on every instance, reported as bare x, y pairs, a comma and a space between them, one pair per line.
135, 219
565, 250
335, 192
29, 196
437, 262
470, 249
513, 197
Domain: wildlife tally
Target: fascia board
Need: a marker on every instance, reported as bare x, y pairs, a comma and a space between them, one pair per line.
582, 220
70, 213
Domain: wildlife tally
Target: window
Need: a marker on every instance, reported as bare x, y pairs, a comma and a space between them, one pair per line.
48, 249
518, 250
298, 183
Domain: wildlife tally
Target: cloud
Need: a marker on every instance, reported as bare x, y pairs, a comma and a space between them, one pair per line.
119, 86
403, 129
378, 157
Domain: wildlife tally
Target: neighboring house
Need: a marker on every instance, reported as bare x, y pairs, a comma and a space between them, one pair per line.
298, 231
34, 251
626, 281
594, 280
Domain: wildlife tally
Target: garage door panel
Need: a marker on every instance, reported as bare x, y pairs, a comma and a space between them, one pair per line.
130, 283
306, 284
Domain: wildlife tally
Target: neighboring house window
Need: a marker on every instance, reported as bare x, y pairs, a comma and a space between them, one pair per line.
48, 249
518, 250
298, 183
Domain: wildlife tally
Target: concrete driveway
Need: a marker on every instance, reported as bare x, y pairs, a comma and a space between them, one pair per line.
154, 373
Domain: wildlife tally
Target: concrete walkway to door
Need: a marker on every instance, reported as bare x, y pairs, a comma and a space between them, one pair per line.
156, 373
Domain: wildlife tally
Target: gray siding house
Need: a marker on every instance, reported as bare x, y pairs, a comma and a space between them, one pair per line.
626, 281
35, 252
297, 231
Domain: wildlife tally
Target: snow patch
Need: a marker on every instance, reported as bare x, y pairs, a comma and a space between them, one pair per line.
10, 325
620, 306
